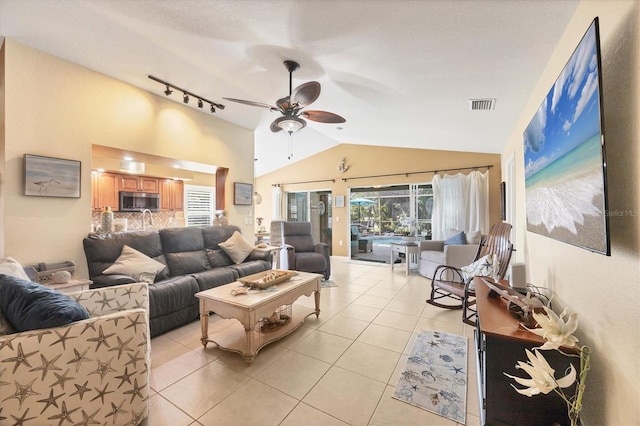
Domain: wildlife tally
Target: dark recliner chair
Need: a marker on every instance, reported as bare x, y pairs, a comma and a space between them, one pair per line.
298, 250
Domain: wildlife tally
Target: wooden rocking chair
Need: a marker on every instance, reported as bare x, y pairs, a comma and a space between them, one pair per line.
449, 282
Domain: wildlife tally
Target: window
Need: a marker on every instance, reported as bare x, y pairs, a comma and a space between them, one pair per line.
199, 205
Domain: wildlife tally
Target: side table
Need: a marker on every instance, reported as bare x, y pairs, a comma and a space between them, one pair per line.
71, 286
411, 251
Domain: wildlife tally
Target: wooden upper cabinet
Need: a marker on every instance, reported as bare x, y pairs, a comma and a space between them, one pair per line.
104, 190
132, 183
171, 194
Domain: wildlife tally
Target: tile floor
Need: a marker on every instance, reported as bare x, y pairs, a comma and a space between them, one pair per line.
338, 369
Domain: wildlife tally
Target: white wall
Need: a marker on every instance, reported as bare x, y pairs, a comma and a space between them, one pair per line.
604, 291
56, 108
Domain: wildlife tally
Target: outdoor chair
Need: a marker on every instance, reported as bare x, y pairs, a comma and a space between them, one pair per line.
454, 283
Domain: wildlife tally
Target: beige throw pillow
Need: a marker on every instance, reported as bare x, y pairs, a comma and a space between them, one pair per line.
135, 264
237, 248
10, 266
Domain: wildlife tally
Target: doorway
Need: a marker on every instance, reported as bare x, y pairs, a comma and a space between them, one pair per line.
313, 207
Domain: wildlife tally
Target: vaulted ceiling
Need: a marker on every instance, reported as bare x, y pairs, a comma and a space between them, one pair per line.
401, 72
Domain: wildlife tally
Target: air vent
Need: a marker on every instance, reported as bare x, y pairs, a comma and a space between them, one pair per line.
482, 104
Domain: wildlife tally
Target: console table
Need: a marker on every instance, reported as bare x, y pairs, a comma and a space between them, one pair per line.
500, 344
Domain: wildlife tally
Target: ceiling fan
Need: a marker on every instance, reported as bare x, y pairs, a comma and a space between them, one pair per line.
291, 106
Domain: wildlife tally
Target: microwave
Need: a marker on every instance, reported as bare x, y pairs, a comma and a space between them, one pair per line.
137, 201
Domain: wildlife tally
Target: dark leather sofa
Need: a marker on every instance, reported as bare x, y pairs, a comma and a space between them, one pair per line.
194, 260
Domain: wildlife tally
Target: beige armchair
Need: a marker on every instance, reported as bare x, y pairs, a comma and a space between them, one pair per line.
435, 252
94, 371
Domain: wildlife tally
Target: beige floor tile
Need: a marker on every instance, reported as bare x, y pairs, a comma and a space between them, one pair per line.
174, 365
345, 395
356, 288
385, 337
400, 365
323, 346
388, 293
253, 404
164, 413
293, 373
425, 323
344, 327
200, 391
360, 312
393, 412
309, 416
265, 357
372, 301
404, 307
370, 361
396, 320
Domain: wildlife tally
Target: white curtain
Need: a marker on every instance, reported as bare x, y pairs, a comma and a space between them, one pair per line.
277, 203
460, 202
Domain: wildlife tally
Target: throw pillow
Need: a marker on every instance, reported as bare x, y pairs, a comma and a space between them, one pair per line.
10, 266
237, 248
218, 258
458, 239
473, 237
31, 306
486, 266
135, 264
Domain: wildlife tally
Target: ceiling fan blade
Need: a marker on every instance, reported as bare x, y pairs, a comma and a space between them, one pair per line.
283, 104
274, 127
323, 117
306, 93
252, 103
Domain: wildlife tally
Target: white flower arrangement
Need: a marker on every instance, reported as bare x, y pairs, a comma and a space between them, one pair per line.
557, 334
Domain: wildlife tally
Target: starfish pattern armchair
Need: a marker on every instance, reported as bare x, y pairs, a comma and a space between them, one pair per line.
94, 371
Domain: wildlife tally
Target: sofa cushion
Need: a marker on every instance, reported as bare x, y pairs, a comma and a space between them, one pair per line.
215, 277
135, 264
30, 306
218, 258
457, 239
237, 247
252, 267
214, 235
433, 256
187, 262
473, 237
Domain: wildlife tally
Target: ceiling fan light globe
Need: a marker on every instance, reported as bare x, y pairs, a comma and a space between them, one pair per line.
290, 124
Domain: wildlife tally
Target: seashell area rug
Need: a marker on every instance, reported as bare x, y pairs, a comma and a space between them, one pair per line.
435, 375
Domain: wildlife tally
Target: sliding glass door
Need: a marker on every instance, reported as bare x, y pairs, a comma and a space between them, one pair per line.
314, 207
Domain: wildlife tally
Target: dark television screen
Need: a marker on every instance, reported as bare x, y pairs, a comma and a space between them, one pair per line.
564, 156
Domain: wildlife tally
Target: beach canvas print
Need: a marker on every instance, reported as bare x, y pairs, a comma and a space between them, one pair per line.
564, 156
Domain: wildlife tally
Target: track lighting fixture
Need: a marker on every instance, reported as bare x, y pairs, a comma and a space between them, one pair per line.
186, 94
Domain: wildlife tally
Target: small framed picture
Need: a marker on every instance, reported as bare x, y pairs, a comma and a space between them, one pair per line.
242, 194
51, 177
338, 201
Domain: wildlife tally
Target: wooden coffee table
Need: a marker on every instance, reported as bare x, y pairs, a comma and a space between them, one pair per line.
251, 333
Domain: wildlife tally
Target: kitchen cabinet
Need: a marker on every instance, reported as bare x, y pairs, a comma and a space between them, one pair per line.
171, 194
131, 183
104, 190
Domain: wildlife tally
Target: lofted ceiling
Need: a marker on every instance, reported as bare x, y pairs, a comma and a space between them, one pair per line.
401, 72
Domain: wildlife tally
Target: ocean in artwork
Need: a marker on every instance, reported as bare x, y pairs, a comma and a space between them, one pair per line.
568, 192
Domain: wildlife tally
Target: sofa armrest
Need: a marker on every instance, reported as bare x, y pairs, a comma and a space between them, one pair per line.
260, 254
321, 248
431, 245
459, 255
99, 365
100, 281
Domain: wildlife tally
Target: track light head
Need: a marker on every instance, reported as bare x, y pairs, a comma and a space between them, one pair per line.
213, 109
185, 98
200, 103
168, 91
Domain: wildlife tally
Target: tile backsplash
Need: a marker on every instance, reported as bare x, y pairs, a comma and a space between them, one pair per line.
161, 219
